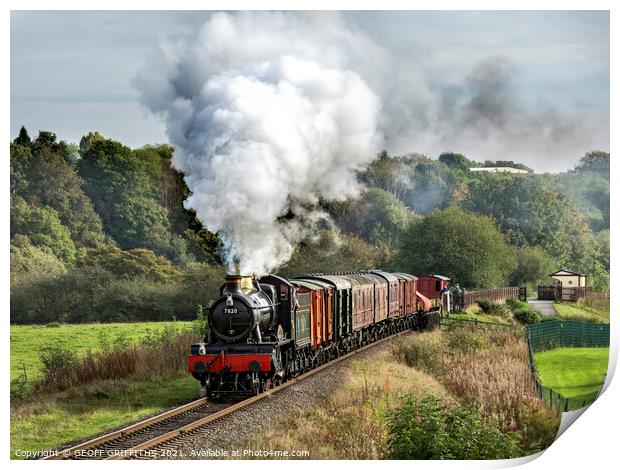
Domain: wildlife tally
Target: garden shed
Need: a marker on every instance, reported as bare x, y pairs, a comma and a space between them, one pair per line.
569, 278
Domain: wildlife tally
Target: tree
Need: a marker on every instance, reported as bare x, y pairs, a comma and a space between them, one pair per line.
421, 183
595, 161
529, 214
47, 140
463, 246
377, 216
456, 161
23, 138
131, 264
43, 228
332, 252
507, 163
53, 182
21, 157
28, 260
533, 265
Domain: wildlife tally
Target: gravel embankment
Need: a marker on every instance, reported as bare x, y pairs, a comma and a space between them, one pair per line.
228, 433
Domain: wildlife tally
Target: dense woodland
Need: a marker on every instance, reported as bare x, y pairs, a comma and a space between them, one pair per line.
99, 231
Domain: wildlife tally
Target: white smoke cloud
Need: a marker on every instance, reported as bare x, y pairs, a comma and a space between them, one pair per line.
267, 118
270, 112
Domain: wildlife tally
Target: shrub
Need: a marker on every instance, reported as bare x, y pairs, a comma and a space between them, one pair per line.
464, 339
490, 308
514, 304
200, 325
430, 429
423, 352
527, 316
57, 362
538, 428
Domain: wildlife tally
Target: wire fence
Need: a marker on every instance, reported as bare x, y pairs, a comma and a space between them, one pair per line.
563, 334
567, 334
450, 322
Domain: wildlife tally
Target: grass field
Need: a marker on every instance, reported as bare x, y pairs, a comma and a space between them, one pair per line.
580, 312
52, 419
64, 417
28, 341
575, 373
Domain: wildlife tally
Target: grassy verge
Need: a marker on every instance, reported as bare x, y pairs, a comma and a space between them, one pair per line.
478, 317
28, 341
475, 313
581, 312
575, 373
459, 393
62, 417
351, 422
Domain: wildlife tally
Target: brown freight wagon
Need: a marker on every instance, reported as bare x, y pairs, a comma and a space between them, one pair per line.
380, 295
362, 300
407, 293
393, 292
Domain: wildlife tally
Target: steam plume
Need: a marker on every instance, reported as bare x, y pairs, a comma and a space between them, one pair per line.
266, 120
270, 112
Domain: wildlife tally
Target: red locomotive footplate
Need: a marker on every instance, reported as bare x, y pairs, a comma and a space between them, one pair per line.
229, 362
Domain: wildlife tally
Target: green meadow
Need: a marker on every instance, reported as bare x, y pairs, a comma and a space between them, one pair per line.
28, 341
575, 373
57, 418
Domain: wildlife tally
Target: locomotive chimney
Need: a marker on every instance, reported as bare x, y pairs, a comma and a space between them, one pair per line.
233, 284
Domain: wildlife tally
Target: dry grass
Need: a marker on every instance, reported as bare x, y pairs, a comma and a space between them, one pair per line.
486, 368
496, 379
162, 358
351, 423
489, 368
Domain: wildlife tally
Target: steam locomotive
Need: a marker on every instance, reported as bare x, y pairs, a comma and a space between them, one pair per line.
265, 331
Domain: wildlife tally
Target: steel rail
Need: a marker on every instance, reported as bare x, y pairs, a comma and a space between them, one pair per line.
140, 425
189, 428
94, 443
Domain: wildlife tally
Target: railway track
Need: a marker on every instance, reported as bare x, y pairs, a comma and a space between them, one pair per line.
159, 434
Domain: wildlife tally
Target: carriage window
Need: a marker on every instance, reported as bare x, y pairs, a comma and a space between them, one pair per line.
437, 285
304, 299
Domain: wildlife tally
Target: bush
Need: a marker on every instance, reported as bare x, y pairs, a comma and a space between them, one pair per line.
527, 316
490, 308
430, 429
514, 304
423, 352
523, 312
57, 362
466, 339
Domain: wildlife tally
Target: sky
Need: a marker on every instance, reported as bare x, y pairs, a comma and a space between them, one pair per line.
74, 72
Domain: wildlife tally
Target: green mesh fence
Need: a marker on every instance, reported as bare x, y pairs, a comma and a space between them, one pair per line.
567, 334
564, 334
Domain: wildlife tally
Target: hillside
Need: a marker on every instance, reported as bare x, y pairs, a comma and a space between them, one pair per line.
99, 231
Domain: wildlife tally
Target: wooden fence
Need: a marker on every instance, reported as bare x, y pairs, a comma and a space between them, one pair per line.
496, 295
567, 294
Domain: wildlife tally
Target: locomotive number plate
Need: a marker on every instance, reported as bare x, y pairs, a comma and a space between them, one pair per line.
231, 310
